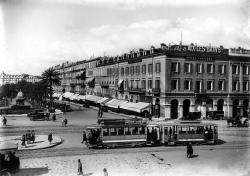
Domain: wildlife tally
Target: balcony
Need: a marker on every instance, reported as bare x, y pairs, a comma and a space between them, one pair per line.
156, 90
104, 85
136, 90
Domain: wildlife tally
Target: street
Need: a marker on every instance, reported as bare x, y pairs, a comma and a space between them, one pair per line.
229, 158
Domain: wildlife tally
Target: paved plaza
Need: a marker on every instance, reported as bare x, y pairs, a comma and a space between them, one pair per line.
230, 158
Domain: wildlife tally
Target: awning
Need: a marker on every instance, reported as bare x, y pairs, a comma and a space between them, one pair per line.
136, 107
74, 97
67, 94
93, 98
89, 80
80, 97
56, 95
103, 100
114, 103
120, 82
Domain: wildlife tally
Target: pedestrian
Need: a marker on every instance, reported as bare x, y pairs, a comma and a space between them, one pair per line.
84, 137
28, 137
79, 170
65, 121
54, 117
4, 121
50, 138
101, 113
189, 150
33, 136
23, 140
105, 172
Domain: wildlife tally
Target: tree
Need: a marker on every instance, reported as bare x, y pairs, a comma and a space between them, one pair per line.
51, 77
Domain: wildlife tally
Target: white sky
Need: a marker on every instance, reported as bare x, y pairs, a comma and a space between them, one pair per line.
37, 34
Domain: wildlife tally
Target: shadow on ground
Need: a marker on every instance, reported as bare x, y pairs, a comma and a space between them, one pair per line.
31, 171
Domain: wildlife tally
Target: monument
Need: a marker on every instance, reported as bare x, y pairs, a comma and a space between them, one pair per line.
20, 99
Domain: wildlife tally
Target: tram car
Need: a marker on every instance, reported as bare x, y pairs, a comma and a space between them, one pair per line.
146, 133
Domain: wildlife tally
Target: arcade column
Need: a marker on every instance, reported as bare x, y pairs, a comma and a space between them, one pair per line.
180, 111
167, 110
203, 110
229, 109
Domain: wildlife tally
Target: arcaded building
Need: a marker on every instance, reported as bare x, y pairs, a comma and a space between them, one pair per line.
175, 80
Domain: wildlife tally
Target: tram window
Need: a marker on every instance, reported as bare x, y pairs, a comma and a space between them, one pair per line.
120, 131
105, 131
127, 131
192, 130
113, 131
199, 130
182, 130
142, 130
215, 129
134, 130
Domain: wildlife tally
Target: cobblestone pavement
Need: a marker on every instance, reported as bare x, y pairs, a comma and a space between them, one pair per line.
158, 163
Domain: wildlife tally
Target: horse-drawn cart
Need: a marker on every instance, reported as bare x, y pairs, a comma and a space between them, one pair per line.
238, 122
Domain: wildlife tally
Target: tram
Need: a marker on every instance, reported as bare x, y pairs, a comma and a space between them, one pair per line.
134, 133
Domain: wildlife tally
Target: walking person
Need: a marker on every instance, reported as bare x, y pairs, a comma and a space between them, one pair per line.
23, 140
84, 137
79, 170
4, 121
33, 136
50, 138
101, 113
189, 150
105, 172
54, 117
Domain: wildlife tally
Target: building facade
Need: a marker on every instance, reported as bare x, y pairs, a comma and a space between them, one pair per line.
174, 80
13, 79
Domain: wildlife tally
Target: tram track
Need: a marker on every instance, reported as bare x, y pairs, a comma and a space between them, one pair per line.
74, 151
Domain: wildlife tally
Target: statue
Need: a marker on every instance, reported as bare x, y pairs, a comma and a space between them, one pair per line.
20, 99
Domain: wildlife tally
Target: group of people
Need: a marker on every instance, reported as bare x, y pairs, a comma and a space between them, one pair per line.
94, 136
9, 161
208, 133
64, 122
28, 138
153, 135
80, 171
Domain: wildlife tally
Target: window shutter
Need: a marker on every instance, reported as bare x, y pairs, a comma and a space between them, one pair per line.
179, 68
213, 69
225, 70
191, 85
202, 66
208, 65
191, 68
197, 68
159, 67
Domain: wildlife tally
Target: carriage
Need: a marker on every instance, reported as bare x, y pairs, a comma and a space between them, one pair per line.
238, 122
144, 133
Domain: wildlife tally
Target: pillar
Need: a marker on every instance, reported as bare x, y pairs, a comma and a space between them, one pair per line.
180, 110
241, 77
229, 108
167, 111
203, 110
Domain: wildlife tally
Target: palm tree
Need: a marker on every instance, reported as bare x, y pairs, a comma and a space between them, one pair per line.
51, 77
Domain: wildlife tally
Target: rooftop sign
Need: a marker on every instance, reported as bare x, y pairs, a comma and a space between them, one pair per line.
196, 48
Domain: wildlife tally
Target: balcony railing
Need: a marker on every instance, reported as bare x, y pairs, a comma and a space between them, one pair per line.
104, 85
156, 90
136, 90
